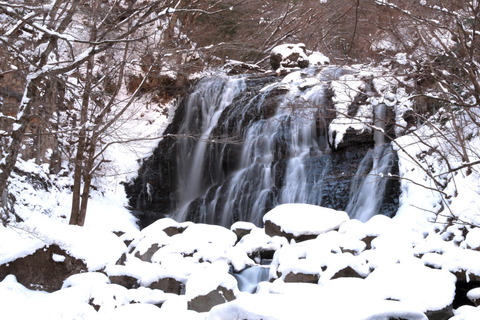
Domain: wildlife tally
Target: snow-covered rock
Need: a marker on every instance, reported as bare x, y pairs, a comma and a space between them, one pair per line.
289, 55
302, 221
474, 296
242, 228
210, 286
318, 59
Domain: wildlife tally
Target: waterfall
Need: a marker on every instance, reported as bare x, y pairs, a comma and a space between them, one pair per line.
380, 113
247, 144
373, 173
203, 109
370, 182
276, 158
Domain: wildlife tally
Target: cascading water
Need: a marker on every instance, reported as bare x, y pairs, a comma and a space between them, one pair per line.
249, 278
370, 181
274, 159
284, 155
203, 109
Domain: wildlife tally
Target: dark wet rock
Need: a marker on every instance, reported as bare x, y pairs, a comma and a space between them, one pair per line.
273, 230
168, 285
302, 277
368, 241
121, 261
147, 255
347, 272
206, 302
241, 229
126, 281
173, 230
44, 269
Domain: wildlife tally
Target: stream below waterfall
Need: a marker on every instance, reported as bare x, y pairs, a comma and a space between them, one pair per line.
240, 145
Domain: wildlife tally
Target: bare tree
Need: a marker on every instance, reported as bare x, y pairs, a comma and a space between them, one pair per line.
84, 48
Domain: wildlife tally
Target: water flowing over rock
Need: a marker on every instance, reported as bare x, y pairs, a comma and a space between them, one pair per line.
239, 146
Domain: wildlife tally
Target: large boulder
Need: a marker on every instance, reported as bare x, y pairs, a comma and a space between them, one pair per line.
302, 221
45, 269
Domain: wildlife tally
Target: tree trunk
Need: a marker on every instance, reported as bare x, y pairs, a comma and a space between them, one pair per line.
82, 214
75, 218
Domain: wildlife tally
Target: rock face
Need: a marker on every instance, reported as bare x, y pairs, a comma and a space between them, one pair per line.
45, 269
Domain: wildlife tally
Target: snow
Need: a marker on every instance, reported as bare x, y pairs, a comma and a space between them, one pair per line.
318, 59
310, 219
88, 279
310, 302
288, 48
209, 278
474, 294
473, 239
406, 263
466, 313
412, 289
345, 90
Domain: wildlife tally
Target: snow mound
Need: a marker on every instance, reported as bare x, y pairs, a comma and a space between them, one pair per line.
305, 219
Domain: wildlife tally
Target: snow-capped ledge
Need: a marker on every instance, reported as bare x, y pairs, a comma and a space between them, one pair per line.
302, 221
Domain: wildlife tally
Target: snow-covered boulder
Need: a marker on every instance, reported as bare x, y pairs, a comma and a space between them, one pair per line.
318, 59
210, 286
427, 289
241, 228
302, 221
257, 245
472, 239
202, 241
474, 296
289, 55
347, 298
315, 260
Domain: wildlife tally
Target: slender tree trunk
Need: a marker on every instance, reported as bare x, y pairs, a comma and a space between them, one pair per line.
82, 214
81, 148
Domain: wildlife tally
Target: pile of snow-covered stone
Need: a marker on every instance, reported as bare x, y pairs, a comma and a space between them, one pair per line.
307, 262
295, 55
